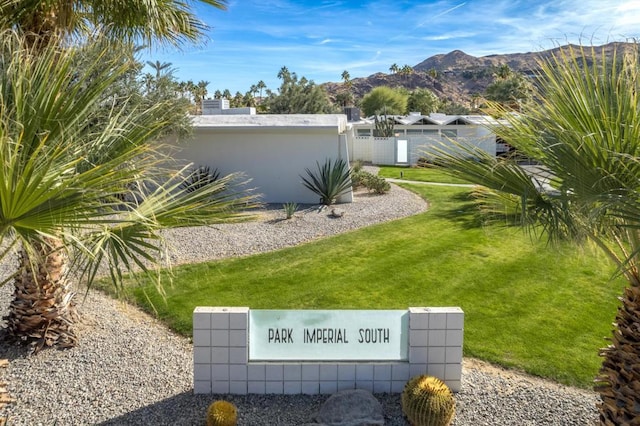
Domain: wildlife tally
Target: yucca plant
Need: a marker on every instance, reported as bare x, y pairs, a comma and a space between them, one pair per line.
584, 132
331, 180
290, 209
62, 175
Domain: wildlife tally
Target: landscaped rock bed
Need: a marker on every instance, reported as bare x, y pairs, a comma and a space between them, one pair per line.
130, 370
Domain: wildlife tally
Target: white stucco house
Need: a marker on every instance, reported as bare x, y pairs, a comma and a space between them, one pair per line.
272, 150
415, 134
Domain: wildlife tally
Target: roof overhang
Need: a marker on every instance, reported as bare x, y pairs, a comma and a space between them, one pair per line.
264, 122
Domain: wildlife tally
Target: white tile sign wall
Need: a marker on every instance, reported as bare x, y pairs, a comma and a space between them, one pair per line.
226, 362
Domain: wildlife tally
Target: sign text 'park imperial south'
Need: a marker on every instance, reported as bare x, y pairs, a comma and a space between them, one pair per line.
348, 335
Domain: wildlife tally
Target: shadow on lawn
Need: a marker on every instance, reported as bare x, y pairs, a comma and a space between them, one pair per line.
467, 214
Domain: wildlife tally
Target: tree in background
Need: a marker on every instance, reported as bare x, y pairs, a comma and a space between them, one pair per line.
394, 68
584, 134
199, 94
345, 97
161, 68
384, 98
406, 71
509, 88
298, 96
423, 101
450, 107
261, 86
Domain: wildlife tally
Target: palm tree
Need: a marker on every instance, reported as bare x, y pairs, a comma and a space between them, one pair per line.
160, 67
199, 93
346, 78
62, 180
140, 21
253, 90
261, 85
406, 71
503, 72
394, 68
44, 25
584, 135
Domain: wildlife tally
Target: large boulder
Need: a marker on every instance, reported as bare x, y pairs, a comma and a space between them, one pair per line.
353, 407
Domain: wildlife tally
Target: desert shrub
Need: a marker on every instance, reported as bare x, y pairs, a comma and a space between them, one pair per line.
373, 183
356, 166
290, 209
378, 185
358, 178
330, 180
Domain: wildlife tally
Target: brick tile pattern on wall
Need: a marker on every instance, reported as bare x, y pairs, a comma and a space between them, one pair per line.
221, 363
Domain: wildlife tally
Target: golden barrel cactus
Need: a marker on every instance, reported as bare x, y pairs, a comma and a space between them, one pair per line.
222, 413
428, 401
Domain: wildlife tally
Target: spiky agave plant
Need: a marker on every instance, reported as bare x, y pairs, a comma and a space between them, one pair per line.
331, 180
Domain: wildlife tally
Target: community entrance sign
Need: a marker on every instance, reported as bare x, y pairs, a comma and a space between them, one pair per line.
328, 335
238, 350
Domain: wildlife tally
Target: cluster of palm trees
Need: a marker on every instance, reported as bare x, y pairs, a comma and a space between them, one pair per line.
405, 71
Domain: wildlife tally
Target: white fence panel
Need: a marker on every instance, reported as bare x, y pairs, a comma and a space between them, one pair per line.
383, 151
361, 148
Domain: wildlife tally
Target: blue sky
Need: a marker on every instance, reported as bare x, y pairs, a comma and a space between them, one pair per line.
253, 39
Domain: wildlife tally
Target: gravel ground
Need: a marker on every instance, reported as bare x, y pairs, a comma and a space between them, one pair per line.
130, 370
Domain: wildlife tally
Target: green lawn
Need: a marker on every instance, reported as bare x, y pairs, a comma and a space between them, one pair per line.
421, 174
544, 310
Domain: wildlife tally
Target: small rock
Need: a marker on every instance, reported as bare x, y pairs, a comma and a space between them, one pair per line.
353, 407
335, 212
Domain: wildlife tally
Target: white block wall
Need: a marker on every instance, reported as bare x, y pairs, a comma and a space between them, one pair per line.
221, 364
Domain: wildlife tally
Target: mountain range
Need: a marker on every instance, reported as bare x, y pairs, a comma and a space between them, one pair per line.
459, 77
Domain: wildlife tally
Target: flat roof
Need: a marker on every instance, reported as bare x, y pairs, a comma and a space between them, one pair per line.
324, 121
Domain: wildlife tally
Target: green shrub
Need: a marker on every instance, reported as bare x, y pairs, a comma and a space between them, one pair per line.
373, 183
330, 180
378, 184
358, 178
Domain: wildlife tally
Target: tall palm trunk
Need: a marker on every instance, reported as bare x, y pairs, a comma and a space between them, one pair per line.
42, 310
619, 379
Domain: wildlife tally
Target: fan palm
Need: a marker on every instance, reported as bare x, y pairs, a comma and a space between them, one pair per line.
63, 176
146, 21
584, 137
